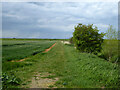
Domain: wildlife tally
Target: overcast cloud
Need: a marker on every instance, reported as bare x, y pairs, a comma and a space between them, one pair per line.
55, 20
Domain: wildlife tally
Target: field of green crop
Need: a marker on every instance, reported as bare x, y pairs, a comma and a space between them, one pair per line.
19, 49
72, 68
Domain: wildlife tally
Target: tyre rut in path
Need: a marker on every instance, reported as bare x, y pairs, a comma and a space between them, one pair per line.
46, 50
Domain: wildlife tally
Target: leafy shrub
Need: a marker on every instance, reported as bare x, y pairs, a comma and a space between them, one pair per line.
8, 80
87, 38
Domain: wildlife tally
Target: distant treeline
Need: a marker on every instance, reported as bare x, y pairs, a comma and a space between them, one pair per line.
30, 39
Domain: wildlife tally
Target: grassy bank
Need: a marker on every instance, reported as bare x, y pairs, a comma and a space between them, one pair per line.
88, 71
74, 69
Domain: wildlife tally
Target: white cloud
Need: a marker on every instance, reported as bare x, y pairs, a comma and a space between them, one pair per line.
14, 16
10, 33
56, 16
102, 25
58, 27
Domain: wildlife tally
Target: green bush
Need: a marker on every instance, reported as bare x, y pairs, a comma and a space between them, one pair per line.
87, 38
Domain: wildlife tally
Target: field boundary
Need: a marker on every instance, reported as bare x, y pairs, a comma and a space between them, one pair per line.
46, 50
19, 60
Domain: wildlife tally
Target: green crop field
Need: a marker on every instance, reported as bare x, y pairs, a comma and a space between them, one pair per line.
71, 68
14, 50
19, 49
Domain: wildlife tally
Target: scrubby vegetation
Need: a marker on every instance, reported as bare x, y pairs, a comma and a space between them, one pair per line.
110, 51
10, 80
87, 39
110, 47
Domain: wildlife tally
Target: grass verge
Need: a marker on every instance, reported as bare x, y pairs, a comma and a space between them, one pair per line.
74, 69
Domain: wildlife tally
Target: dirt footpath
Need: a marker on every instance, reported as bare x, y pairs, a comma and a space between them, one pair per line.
40, 80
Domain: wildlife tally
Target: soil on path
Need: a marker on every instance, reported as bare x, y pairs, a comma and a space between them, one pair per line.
49, 48
19, 60
41, 80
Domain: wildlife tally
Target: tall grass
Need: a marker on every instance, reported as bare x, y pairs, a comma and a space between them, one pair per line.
110, 50
87, 71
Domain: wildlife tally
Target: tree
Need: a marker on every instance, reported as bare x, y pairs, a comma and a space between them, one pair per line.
87, 38
110, 48
111, 33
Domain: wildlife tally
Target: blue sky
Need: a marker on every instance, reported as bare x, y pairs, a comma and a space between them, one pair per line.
55, 19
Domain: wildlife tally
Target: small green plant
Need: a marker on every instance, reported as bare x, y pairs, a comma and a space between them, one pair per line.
51, 86
11, 79
87, 38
